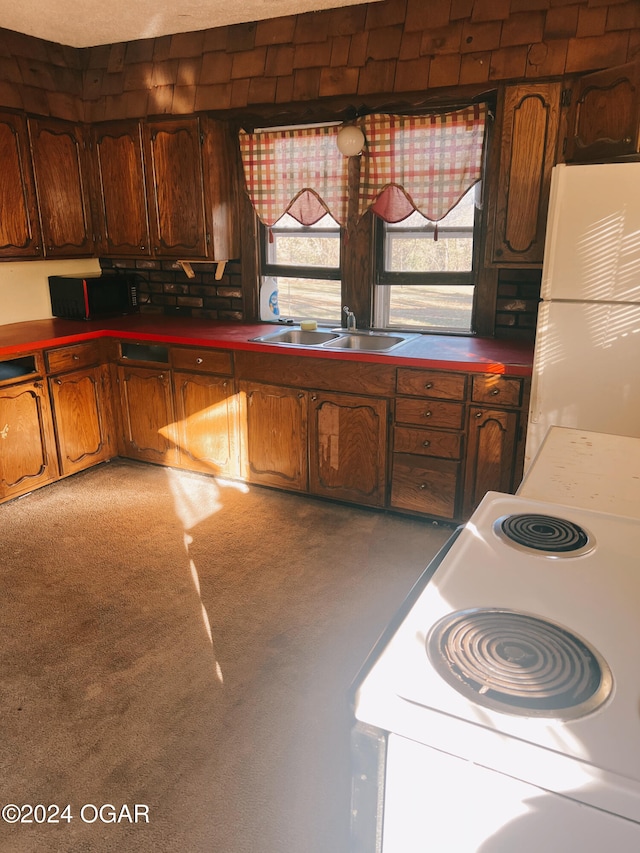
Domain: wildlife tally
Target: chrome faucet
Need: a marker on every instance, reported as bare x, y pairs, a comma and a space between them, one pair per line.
351, 318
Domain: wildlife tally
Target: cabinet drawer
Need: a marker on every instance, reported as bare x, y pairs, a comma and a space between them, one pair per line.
72, 357
436, 384
429, 413
427, 442
496, 390
205, 360
422, 484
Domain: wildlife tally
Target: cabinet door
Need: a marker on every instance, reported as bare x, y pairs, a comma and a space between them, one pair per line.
221, 174
148, 423
347, 448
605, 115
62, 188
491, 450
275, 435
19, 226
206, 410
518, 205
82, 414
27, 444
121, 200
175, 188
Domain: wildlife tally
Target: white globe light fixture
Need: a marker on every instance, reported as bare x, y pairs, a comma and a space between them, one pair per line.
350, 140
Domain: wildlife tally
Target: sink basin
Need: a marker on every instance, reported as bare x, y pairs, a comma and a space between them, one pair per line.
368, 342
297, 336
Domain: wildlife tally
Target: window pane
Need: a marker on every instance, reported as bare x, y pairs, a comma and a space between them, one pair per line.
446, 307
410, 245
291, 244
301, 299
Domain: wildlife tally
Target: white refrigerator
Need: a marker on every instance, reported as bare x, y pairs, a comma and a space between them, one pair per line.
586, 371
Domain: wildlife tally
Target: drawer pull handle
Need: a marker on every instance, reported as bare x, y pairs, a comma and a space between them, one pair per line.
198, 361
495, 392
426, 443
427, 414
428, 385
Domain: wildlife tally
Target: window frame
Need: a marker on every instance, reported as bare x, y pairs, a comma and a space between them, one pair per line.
289, 270
395, 277
384, 278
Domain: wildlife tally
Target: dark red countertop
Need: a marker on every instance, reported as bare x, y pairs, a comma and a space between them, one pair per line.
445, 352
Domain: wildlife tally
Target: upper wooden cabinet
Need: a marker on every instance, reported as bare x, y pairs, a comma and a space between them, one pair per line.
19, 226
605, 115
122, 217
175, 182
528, 120
62, 187
221, 174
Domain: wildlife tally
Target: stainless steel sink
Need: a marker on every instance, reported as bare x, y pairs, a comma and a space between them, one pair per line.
364, 340
367, 341
298, 337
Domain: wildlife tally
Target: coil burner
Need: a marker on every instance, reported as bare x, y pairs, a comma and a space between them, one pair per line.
518, 664
545, 534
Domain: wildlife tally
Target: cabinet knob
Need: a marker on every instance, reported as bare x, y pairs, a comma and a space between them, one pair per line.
76, 358
422, 487
198, 361
478, 414
161, 376
427, 414
494, 392
428, 385
426, 443
225, 384
314, 397
143, 248
300, 395
58, 381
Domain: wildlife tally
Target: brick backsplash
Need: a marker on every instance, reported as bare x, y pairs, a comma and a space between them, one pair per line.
164, 288
518, 296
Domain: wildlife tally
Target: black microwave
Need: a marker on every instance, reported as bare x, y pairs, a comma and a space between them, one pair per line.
92, 297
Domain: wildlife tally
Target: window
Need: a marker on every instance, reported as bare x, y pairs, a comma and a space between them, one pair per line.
412, 273
301, 271
424, 283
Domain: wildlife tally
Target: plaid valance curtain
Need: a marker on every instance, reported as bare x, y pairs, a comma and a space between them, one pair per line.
425, 163
300, 172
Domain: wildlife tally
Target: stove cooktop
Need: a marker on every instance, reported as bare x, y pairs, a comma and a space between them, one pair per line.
528, 631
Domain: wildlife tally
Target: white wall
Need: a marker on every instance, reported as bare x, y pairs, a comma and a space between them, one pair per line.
24, 286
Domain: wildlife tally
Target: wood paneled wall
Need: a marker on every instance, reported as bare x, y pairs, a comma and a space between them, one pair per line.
394, 46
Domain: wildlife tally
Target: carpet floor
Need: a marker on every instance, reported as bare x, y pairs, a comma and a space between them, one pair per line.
185, 645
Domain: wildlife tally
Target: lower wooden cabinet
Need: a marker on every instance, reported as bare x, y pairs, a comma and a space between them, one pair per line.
274, 421
83, 418
453, 436
426, 484
491, 454
347, 448
148, 422
207, 423
27, 441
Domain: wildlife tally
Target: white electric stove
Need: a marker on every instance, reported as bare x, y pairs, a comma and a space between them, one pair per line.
507, 692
